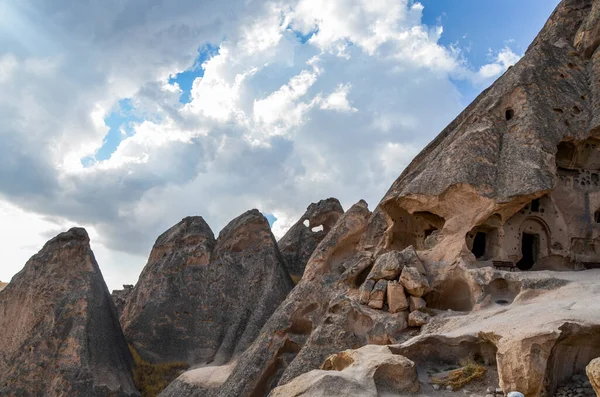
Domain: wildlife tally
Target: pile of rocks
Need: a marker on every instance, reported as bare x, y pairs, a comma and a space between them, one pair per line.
577, 386
397, 282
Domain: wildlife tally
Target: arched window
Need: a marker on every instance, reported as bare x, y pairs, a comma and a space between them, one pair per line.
509, 114
597, 216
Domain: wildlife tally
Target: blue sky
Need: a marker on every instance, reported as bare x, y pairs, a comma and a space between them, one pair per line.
105, 129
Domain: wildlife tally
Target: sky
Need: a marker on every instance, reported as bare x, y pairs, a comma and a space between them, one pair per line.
124, 116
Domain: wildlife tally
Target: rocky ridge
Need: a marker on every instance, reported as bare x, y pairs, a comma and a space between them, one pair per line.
203, 300
59, 325
298, 244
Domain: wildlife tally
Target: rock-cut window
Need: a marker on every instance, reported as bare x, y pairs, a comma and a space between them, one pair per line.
597, 216
509, 114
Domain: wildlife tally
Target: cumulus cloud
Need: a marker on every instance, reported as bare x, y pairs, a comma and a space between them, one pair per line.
303, 100
504, 59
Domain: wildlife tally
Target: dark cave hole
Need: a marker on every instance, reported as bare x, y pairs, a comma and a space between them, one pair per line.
479, 243
530, 244
509, 114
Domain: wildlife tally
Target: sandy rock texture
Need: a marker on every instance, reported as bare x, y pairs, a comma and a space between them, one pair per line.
60, 331
368, 371
202, 300
300, 241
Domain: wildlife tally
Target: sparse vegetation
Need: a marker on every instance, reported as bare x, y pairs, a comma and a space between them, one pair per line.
151, 379
457, 378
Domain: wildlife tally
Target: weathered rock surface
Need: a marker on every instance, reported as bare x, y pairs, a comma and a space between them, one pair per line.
368, 371
321, 316
301, 240
201, 300
593, 372
417, 318
2, 285
377, 297
120, 296
414, 282
60, 334
396, 297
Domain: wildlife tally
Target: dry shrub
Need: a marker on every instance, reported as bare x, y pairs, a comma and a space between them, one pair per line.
457, 378
151, 379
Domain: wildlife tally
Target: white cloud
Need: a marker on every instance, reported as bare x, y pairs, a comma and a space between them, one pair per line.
503, 60
274, 123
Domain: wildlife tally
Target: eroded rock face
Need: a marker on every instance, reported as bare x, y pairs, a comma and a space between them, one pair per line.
301, 240
496, 182
120, 297
60, 334
202, 300
368, 371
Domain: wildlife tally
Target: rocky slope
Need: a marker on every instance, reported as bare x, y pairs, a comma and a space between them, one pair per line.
303, 237
201, 300
60, 332
513, 183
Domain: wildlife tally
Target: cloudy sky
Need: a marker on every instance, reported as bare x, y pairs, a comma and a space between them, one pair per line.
124, 116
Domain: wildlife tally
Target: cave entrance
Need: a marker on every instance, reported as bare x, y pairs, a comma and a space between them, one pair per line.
479, 244
530, 248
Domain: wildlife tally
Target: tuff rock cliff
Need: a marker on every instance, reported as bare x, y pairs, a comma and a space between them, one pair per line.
201, 300
480, 250
303, 237
60, 335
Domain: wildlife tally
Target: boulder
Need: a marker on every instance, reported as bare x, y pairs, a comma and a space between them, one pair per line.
387, 266
365, 291
396, 297
416, 303
593, 372
298, 244
60, 334
201, 300
368, 371
377, 298
418, 319
414, 282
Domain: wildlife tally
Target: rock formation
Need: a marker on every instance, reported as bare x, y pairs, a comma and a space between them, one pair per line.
2, 285
368, 371
301, 240
321, 316
201, 300
120, 297
511, 184
60, 335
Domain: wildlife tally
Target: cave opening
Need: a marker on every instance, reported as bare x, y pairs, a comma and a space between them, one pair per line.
535, 205
509, 114
479, 244
597, 216
530, 248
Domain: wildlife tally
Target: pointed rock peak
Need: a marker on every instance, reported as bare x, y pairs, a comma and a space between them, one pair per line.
324, 213
58, 310
188, 227
250, 217
206, 292
73, 234
301, 240
251, 229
